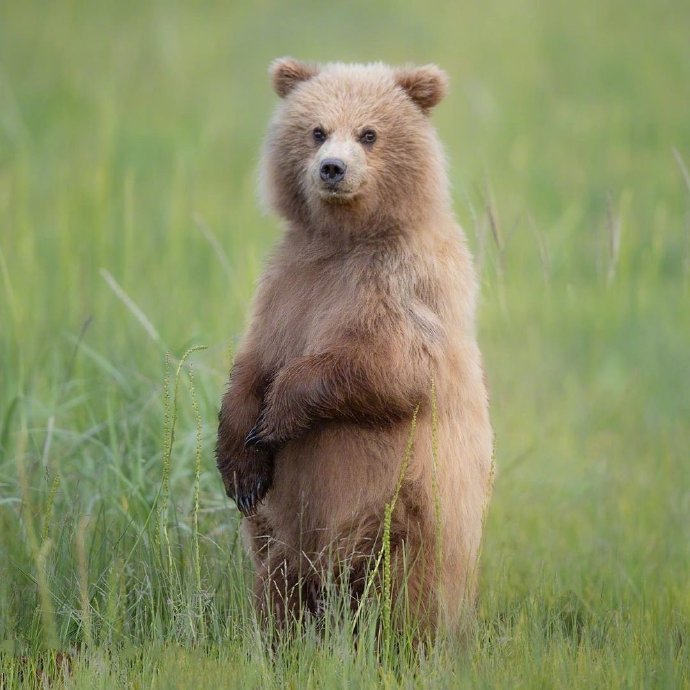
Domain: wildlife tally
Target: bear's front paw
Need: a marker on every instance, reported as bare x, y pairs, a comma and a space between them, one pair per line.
259, 438
266, 437
249, 487
275, 426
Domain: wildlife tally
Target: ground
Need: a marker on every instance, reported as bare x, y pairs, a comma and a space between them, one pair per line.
129, 229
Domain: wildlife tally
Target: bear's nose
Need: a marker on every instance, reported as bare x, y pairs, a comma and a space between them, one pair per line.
333, 170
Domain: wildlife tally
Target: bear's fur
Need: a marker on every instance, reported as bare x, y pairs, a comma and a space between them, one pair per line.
366, 306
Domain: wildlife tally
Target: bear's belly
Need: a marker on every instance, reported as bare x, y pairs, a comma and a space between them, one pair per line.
332, 486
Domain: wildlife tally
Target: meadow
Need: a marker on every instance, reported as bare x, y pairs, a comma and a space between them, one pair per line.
130, 233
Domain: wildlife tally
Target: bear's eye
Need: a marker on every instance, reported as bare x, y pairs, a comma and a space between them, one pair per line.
368, 136
319, 135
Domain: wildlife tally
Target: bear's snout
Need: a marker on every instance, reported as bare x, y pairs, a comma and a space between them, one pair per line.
332, 170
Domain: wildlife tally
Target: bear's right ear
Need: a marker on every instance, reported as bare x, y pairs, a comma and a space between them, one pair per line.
287, 72
426, 86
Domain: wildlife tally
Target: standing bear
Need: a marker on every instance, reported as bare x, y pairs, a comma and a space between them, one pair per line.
359, 382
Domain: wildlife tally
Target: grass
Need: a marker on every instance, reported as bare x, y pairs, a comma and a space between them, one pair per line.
129, 229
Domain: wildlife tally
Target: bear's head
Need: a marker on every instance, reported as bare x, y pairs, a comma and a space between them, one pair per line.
351, 146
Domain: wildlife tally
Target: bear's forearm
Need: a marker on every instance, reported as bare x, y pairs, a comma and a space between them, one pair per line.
239, 411
247, 471
343, 384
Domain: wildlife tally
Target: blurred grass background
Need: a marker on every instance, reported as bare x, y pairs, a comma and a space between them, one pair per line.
129, 136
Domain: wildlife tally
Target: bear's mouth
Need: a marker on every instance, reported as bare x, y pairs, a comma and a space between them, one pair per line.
336, 194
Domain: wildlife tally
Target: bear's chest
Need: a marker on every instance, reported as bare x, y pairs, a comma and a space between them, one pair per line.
306, 306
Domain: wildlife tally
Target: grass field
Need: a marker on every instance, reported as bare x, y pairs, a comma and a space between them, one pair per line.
129, 228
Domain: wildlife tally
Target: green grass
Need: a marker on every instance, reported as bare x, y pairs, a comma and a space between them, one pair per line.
129, 228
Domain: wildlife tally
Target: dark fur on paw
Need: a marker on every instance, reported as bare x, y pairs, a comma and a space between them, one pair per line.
256, 438
249, 487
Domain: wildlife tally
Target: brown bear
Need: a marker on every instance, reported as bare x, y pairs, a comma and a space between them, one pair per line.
362, 336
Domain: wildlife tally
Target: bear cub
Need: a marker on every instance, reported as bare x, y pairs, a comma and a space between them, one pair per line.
361, 337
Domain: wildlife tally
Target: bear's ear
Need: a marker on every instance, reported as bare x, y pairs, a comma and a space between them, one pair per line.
426, 86
287, 72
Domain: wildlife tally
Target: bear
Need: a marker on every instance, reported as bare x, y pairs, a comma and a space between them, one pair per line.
358, 384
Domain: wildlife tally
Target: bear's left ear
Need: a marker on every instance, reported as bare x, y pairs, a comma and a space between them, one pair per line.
287, 72
426, 86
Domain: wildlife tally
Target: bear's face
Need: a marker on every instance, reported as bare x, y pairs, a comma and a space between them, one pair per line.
351, 141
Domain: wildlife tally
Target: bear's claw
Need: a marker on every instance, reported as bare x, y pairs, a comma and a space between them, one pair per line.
253, 437
256, 438
251, 490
